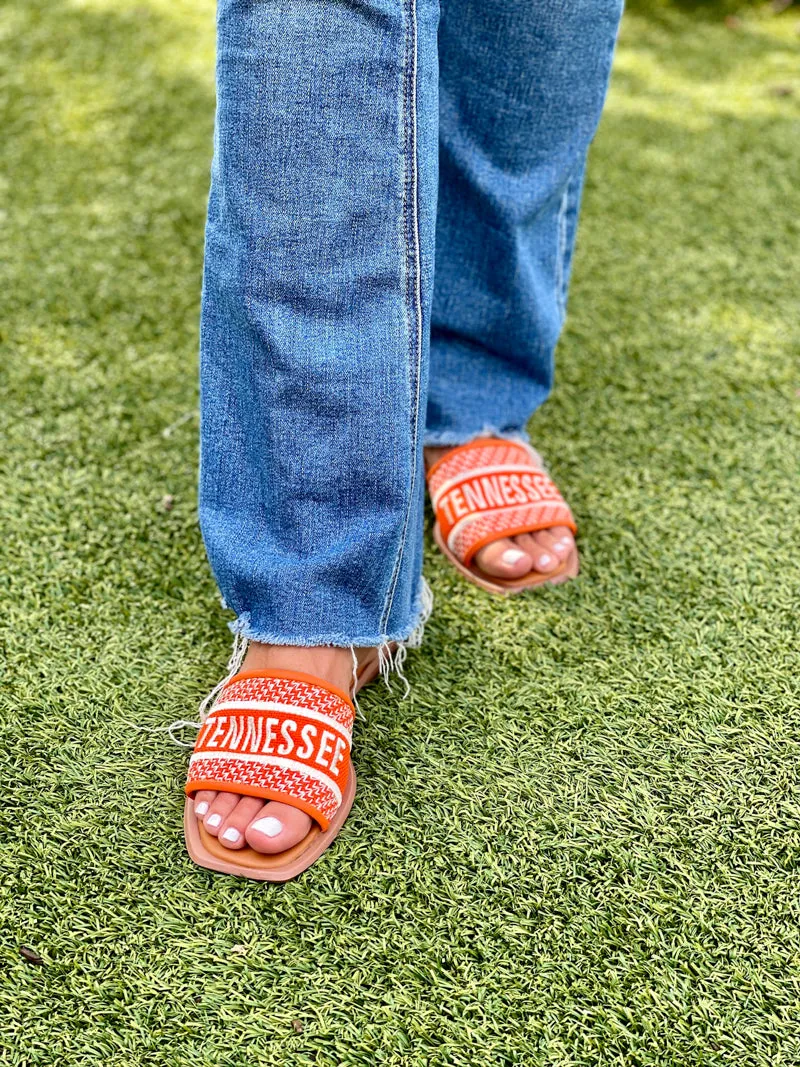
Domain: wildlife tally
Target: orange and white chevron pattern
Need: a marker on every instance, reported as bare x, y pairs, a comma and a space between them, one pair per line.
279, 737
489, 489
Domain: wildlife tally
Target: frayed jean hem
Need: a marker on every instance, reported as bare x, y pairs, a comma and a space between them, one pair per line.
451, 437
410, 635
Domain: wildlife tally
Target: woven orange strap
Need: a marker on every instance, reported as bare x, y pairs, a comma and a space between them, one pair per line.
489, 489
277, 735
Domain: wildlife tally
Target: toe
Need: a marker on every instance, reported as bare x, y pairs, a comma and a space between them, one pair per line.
551, 544
219, 809
277, 827
543, 558
504, 559
564, 537
233, 826
203, 799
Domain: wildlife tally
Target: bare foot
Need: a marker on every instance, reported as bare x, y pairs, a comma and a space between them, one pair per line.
514, 557
269, 826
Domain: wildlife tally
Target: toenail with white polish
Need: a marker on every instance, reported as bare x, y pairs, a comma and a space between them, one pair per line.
512, 555
214, 820
544, 560
201, 808
231, 834
269, 826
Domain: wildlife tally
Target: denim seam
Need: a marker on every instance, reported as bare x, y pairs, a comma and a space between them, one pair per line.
412, 271
561, 254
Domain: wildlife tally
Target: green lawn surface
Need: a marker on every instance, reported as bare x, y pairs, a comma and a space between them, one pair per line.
578, 841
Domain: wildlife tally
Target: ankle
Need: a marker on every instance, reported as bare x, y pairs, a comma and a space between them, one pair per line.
333, 665
433, 453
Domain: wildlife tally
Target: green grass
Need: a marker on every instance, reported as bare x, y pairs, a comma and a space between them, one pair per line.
578, 842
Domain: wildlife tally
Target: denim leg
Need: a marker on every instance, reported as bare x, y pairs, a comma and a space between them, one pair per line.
522, 85
315, 317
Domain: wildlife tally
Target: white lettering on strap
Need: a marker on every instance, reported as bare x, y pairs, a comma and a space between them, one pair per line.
284, 709
480, 472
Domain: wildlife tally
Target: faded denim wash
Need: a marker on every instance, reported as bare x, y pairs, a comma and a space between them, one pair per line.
394, 197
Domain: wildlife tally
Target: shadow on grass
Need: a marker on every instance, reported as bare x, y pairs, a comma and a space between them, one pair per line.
110, 153
701, 47
705, 10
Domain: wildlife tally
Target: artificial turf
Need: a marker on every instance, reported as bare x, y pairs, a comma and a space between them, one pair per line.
578, 841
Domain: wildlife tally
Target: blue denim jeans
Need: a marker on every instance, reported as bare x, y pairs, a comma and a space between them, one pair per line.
394, 195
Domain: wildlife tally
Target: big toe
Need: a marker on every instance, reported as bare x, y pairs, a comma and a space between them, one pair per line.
503, 559
277, 827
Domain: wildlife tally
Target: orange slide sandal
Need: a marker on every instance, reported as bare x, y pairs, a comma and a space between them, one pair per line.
492, 488
280, 735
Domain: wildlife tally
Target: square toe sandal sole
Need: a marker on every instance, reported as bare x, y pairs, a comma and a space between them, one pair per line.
206, 851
